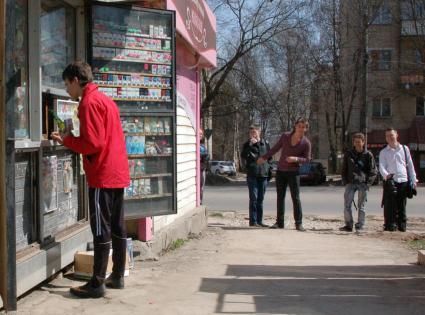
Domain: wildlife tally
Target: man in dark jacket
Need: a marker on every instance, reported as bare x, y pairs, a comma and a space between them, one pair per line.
101, 142
257, 175
358, 173
204, 158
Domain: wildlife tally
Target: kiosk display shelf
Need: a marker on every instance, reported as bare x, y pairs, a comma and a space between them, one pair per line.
132, 53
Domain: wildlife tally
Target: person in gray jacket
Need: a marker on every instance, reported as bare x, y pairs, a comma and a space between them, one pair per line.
257, 175
358, 173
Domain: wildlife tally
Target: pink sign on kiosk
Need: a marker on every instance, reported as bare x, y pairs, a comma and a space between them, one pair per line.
196, 23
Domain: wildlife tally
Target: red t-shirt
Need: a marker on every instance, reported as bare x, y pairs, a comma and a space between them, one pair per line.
101, 141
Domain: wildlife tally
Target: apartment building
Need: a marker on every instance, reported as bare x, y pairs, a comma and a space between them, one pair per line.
391, 35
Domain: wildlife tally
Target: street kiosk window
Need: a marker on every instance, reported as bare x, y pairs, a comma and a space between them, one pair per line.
19, 75
57, 41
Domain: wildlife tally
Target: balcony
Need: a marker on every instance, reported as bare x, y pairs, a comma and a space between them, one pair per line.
413, 28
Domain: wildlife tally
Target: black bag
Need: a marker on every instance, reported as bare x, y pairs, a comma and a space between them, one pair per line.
410, 189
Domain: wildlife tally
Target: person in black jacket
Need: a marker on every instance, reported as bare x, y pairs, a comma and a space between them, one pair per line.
358, 173
204, 159
257, 175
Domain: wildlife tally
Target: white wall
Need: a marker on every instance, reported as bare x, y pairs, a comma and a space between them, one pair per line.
186, 170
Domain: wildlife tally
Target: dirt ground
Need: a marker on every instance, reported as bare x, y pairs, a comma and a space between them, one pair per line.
234, 269
330, 225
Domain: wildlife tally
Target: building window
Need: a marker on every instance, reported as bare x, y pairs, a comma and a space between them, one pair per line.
381, 14
382, 107
420, 106
412, 10
57, 41
380, 60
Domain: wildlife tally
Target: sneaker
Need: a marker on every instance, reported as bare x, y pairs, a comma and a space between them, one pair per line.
346, 228
264, 225
300, 228
89, 291
114, 282
276, 226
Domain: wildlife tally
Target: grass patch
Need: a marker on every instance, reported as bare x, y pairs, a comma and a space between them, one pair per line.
216, 215
177, 244
417, 244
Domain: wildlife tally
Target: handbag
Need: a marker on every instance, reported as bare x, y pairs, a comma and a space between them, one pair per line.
410, 189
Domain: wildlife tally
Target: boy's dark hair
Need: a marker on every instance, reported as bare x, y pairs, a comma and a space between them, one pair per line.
390, 129
359, 135
78, 69
255, 127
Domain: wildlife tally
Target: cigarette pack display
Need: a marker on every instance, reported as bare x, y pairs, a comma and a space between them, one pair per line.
147, 186
160, 128
132, 59
139, 168
136, 187
151, 148
132, 164
167, 124
135, 144
140, 126
154, 125
147, 125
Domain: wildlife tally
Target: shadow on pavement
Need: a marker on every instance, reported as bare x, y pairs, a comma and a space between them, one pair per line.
366, 290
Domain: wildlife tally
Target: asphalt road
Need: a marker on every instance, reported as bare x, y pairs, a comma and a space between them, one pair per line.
317, 200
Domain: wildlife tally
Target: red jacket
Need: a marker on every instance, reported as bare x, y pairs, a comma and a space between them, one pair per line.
101, 141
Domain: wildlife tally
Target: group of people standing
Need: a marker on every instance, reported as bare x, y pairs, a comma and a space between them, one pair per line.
359, 171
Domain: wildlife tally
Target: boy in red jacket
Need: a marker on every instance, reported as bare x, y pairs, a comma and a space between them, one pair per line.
101, 142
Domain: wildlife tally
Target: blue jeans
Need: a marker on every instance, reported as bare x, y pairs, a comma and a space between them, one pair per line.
350, 190
257, 188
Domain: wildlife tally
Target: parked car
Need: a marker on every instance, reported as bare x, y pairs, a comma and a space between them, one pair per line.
223, 167
312, 173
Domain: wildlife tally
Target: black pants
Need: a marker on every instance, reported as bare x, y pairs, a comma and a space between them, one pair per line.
203, 177
283, 180
107, 225
395, 208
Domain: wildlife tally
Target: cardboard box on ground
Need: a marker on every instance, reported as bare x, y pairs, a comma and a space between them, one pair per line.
83, 265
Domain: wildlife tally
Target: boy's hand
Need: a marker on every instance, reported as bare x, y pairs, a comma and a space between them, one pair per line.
56, 136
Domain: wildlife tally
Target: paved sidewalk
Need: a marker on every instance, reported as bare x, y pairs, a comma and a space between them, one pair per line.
233, 269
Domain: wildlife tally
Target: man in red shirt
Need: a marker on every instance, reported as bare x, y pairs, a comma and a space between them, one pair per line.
101, 142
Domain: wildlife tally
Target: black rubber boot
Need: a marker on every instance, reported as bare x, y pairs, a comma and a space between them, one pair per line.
115, 282
89, 291
101, 257
119, 255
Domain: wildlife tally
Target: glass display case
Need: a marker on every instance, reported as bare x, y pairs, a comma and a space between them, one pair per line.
19, 77
132, 55
57, 41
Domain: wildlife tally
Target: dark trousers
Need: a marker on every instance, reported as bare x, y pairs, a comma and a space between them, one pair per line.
108, 226
257, 188
283, 180
395, 208
203, 177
